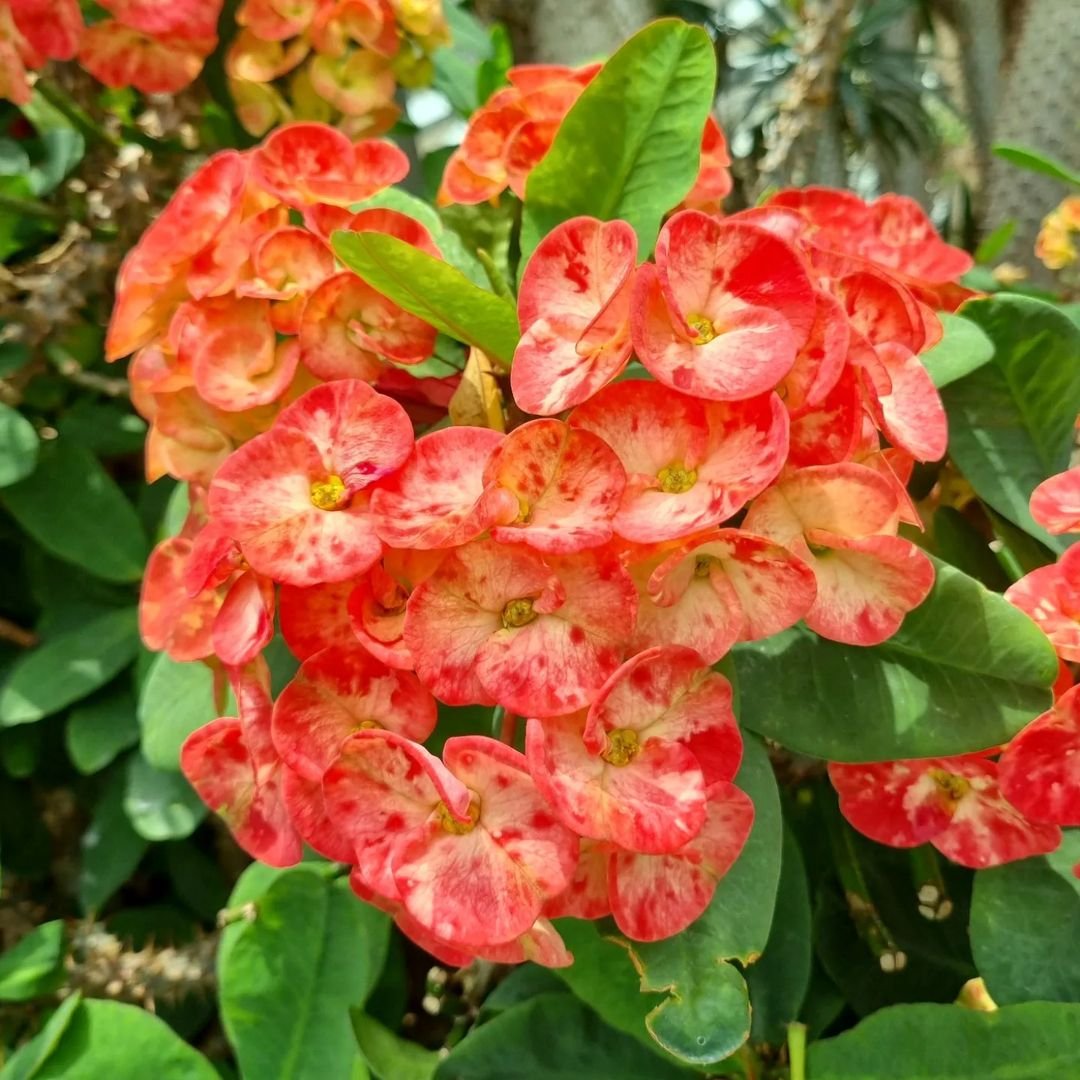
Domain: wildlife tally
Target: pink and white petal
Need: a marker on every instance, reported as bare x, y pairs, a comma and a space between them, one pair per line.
306, 809
1052, 599
657, 896
912, 415
245, 624
829, 432
217, 763
338, 692
865, 587
820, 362
1055, 503
586, 897
329, 348
434, 500
315, 617
1039, 772
567, 482
541, 944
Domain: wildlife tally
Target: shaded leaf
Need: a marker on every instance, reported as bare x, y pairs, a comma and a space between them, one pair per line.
34, 965
962, 348
18, 446
160, 805
389, 1056
99, 729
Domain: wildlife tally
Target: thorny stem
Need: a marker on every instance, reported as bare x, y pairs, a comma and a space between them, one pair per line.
930, 887
796, 1041
17, 635
857, 894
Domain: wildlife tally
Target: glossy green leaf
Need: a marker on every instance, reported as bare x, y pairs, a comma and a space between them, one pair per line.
290, 977
18, 446
389, 1056
68, 667
122, 1042
433, 290
778, 981
552, 1037
965, 671
75, 510
947, 1042
706, 1016
160, 805
27, 1061
994, 244
962, 348
1011, 421
20, 750
1035, 161
174, 700
1025, 923
100, 728
34, 965
110, 847
630, 146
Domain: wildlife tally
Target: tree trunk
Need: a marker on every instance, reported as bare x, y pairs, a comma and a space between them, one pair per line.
568, 31
1039, 106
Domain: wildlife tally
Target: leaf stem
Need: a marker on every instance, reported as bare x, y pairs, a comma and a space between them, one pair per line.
796, 1041
499, 284
31, 208
79, 119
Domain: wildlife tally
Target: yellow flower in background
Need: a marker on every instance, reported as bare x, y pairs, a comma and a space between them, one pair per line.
1056, 243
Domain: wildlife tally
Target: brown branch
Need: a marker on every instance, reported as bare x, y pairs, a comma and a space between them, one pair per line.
17, 635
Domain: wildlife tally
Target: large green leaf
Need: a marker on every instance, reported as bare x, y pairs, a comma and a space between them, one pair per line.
963, 348
27, 1061
1035, 161
630, 146
290, 977
706, 1016
552, 1037
160, 805
1025, 925
174, 700
965, 671
947, 1042
34, 966
1011, 422
389, 1056
121, 1042
433, 290
75, 510
778, 981
99, 729
69, 666
111, 848
18, 446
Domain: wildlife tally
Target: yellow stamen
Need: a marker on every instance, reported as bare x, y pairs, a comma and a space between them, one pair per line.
703, 566
622, 747
451, 824
518, 613
703, 327
329, 494
676, 478
951, 787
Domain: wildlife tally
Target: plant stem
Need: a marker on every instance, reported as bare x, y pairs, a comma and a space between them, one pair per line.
930, 887
79, 119
31, 208
796, 1041
498, 283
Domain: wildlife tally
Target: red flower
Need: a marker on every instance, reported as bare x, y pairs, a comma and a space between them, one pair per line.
1051, 596
1055, 503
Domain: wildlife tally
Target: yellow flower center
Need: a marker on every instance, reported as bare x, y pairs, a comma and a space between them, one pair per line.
518, 613
676, 478
704, 330
329, 494
951, 787
622, 747
703, 566
451, 824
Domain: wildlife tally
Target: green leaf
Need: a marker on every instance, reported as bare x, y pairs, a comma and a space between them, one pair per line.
175, 699
706, 1016
1025, 922
160, 805
433, 290
948, 1042
122, 1042
69, 666
965, 671
995, 243
18, 446
290, 977
961, 544
389, 1056
962, 348
111, 848
552, 1037
778, 981
99, 729
26, 1062
630, 146
1034, 161
75, 510
34, 966
1011, 421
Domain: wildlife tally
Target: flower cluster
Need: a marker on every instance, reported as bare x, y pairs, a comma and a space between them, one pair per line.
234, 304
705, 465
1056, 243
336, 60
510, 134
151, 46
